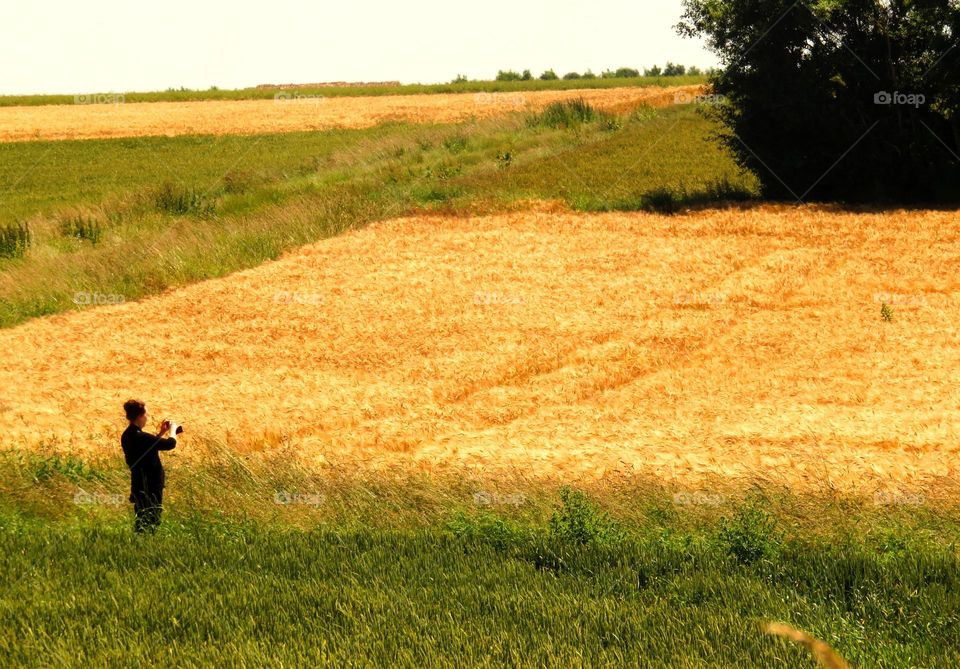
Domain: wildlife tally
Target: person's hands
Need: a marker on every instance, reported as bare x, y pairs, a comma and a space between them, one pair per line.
164, 426
173, 430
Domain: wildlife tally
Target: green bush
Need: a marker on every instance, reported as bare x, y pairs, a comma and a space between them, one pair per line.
674, 70
750, 535
572, 75
508, 75
487, 528
15, 239
580, 521
548, 75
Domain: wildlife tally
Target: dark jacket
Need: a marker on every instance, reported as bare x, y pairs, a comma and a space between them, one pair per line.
142, 453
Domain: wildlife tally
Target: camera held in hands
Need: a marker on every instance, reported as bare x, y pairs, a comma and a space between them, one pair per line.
167, 424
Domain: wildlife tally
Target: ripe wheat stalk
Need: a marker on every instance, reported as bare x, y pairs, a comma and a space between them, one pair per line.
825, 655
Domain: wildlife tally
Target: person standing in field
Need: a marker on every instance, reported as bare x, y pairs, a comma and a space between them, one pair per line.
142, 453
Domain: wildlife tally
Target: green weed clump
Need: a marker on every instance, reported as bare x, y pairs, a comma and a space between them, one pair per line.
180, 200
15, 239
80, 226
565, 114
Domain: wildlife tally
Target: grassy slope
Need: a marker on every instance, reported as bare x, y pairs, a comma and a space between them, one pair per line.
266, 194
413, 572
346, 91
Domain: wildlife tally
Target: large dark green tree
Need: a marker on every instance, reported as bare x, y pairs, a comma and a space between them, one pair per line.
851, 100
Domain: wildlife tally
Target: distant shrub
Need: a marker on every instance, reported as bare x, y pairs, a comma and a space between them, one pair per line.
179, 200
549, 75
81, 226
526, 76
588, 75
565, 114
15, 239
654, 71
674, 70
508, 75
694, 71
572, 75
461, 79
626, 72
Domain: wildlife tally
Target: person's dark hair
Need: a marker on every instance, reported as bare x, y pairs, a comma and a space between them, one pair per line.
134, 409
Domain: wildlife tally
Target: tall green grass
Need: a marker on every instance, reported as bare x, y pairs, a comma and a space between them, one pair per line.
348, 568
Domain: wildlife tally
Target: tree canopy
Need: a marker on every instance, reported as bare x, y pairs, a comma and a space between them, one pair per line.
851, 100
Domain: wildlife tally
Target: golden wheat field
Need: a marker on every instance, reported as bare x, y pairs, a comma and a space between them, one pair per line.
294, 111
741, 343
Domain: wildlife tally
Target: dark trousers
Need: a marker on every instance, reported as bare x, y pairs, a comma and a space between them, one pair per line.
147, 507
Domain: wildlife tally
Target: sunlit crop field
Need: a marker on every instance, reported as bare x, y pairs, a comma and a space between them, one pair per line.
110, 116
741, 343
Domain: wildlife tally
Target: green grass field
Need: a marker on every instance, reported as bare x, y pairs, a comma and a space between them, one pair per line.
99, 210
359, 569
345, 91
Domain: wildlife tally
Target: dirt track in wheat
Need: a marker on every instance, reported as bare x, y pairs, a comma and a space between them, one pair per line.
296, 112
735, 343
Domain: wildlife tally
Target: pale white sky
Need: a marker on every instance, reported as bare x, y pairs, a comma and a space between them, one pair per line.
65, 46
